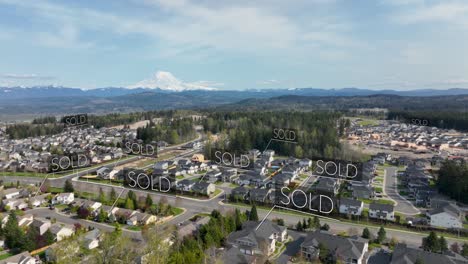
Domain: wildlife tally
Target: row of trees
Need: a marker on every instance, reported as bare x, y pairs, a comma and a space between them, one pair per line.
438, 244
453, 180
172, 131
18, 131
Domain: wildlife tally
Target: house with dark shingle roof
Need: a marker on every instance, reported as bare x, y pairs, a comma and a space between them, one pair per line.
447, 215
402, 254
254, 239
234, 256
204, 188
351, 206
240, 193
259, 195
382, 211
347, 249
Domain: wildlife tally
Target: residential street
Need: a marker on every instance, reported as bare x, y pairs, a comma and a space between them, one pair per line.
391, 189
46, 212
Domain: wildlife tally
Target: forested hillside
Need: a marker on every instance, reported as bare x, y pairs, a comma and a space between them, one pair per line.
317, 132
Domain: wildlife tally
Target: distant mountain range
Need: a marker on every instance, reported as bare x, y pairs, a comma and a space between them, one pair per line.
52, 100
54, 91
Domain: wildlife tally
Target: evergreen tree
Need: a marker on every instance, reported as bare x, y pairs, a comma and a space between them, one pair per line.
381, 235
148, 201
102, 197
325, 227
102, 216
68, 186
32, 239
238, 220
129, 204
443, 244
14, 235
366, 233
299, 226
464, 251
112, 196
49, 237
316, 222
304, 224
253, 216
431, 243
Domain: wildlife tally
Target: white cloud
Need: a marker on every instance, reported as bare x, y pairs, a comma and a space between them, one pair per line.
269, 82
12, 76
66, 37
456, 81
166, 81
257, 28
454, 12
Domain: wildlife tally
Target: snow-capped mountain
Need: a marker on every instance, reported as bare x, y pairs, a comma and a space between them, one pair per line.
166, 81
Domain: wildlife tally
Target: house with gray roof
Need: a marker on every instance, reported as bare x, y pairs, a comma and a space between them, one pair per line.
347, 249
254, 239
382, 211
447, 215
403, 254
351, 206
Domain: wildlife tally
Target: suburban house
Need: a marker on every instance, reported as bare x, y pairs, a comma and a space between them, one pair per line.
363, 192
204, 188
11, 193
403, 254
198, 158
240, 193
15, 204
91, 239
185, 185
145, 219
234, 256
255, 240
259, 195
103, 172
41, 225
61, 231
22, 258
351, 206
212, 176
191, 227
39, 199
63, 198
382, 211
327, 185
350, 250
448, 215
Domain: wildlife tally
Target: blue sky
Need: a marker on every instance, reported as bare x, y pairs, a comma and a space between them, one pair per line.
376, 44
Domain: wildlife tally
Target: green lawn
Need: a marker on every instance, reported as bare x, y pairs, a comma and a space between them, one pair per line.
133, 228
380, 201
5, 256
217, 191
28, 174
368, 122
55, 190
98, 180
177, 211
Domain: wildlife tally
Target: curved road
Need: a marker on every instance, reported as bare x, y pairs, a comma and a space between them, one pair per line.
391, 190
